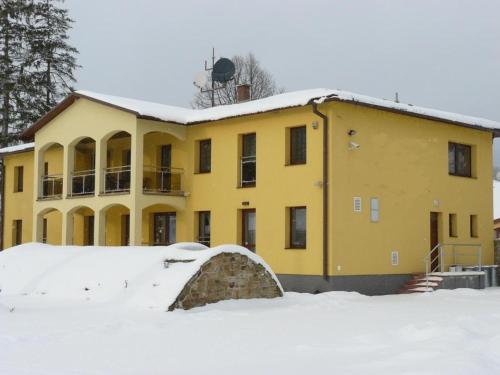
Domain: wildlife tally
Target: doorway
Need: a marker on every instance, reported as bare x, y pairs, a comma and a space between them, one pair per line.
248, 236
434, 240
164, 228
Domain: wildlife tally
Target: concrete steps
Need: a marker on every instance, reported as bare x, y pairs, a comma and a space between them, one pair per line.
421, 284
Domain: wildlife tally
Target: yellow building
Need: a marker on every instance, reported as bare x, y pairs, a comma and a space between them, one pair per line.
336, 191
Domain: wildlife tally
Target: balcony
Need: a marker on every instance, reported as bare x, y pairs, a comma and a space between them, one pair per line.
52, 186
117, 179
83, 183
162, 180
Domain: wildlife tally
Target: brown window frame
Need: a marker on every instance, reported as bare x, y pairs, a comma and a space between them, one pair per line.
204, 157
44, 230
18, 232
204, 239
452, 225
19, 183
292, 229
473, 222
245, 153
244, 217
453, 162
294, 158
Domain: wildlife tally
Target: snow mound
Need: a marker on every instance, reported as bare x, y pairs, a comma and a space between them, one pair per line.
135, 276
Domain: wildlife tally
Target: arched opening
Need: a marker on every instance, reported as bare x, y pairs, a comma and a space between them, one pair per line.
118, 160
83, 168
81, 226
163, 166
50, 171
49, 228
117, 225
159, 225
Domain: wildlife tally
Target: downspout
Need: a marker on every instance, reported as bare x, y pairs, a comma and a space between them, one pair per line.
325, 187
2, 215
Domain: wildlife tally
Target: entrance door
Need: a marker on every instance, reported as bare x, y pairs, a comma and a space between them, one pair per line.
164, 228
434, 235
248, 227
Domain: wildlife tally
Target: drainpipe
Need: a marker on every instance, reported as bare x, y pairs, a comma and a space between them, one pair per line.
2, 191
325, 187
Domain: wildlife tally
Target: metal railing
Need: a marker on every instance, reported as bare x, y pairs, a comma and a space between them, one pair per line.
438, 258
83, 182
248, 169
117, 179
204, 240
52, 186
163, 180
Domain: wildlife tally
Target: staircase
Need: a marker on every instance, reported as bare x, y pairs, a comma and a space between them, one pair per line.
420, 283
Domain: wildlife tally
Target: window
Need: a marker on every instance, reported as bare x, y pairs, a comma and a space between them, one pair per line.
374, 210
473, 226
125, 237
357, 204
298, 146
126, 157
44, 231
17, 236
205, 156
88, 228
452, 225
459, 160
248, 160
298, 227
18, 179
204, 227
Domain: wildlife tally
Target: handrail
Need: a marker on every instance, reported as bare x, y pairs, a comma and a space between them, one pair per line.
117, 179
164, 180
55, 182
81, 179
440, 248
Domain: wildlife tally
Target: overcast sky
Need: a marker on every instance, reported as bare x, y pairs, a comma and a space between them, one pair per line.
443, 54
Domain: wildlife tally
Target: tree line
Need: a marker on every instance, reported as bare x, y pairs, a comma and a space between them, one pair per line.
37, 62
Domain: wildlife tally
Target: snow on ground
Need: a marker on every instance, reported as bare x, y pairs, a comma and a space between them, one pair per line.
110, 332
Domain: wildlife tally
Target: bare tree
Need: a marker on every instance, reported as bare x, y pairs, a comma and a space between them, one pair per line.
248, 71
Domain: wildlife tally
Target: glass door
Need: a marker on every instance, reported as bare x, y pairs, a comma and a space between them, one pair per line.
164, 228
248, 227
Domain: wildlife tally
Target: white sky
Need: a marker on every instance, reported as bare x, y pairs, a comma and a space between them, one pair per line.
442, 54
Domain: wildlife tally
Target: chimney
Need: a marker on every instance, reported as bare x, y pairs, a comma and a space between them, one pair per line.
242, 93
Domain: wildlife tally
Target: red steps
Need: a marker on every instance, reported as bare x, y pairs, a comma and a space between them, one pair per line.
419, 283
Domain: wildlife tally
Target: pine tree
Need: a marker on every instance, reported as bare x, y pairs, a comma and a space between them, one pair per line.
12, 30
52, 58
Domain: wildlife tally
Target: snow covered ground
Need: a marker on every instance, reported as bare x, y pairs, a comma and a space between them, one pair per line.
50, 328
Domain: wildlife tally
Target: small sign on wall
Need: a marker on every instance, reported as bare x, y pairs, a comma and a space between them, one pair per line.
395, 258
356, 204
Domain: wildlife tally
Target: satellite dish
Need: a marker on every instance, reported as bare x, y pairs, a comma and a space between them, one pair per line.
223, 70
200, 79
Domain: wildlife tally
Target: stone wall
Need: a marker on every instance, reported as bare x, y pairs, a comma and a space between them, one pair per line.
227, 276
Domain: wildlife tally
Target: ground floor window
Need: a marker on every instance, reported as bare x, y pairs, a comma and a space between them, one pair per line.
473, 226
248, 226
164, 228
17, 235
44, 231
204, 227
125, 240
88, 230
298, 227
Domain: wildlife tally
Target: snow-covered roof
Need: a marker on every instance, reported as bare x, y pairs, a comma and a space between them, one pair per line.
135, 275
287, 100
17, 148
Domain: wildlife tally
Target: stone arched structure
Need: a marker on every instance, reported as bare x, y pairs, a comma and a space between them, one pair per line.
227, 275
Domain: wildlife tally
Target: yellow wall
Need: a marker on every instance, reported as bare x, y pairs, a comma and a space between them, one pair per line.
402, 161
18, 205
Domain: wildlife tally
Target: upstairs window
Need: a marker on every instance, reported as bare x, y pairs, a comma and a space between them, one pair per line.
205, 152
18, 179
298, 146
459, 160
248, 160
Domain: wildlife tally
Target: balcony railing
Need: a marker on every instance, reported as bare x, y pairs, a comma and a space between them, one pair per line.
248, 171
83, 182
52, 186
117, 179
162, 180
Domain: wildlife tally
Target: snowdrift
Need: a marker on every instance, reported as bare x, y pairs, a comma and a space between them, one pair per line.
133, 276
